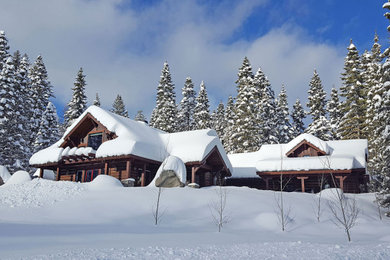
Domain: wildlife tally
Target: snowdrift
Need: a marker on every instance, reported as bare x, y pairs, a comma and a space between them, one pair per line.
104, 182
18, 178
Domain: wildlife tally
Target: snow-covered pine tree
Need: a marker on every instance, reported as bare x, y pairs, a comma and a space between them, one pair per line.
78, 103
26, 112
316, 105
4, 49
164, 115
333, 107
41, 90
317, 97
245, 137
229, 130
285, 132
267, 111
219, 123
297, 116
320, 128
17, 58
202, 109
187, 106
353, 108
379, 163
140, 117
118, 107
258, 89
96, 102
48, 132
12, 143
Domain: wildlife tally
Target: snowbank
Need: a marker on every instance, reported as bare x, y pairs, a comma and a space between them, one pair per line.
47, 174
104, 182
171, 163
18, 177
4, 173
38, 193
331, 193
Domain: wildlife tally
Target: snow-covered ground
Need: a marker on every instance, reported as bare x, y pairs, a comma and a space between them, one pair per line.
43, 219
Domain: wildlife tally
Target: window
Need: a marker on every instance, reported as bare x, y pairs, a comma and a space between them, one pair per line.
95, 140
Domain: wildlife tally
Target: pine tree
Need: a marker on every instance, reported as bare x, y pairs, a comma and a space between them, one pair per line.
379, 163
353, 107
319, 126
333, 107
140, 117
285, 132
78, 103
317, 97
96, 102
26, 112
187, 106
17, 58
297, 116
229, 130
164, 115
202, 109
4, 49
12, 142
267, 111
118, 107
41, 90
219, 123
48, 132
245, 138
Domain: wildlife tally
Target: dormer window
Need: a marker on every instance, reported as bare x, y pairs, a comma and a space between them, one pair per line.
95, 140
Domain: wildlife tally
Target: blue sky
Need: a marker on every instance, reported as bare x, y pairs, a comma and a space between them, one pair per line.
122, 45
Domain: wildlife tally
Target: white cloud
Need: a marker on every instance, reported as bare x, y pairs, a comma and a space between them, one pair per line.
122, 50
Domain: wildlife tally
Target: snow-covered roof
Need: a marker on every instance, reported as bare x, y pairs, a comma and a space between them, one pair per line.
137, 138
340, 155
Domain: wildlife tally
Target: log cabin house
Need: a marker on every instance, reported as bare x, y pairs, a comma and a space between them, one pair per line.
100, 142
306, 164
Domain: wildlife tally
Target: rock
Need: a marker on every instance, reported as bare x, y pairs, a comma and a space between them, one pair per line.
128, 182
1, 181
168, 179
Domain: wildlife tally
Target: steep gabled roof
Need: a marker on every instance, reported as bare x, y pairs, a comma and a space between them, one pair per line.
316, 143
137, 138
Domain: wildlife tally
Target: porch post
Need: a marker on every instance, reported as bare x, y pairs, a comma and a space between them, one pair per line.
341, 180
58, 174
302, 182
143, 176
193, 174
83, 176
40, 172
266, 183
106, 168
128, 169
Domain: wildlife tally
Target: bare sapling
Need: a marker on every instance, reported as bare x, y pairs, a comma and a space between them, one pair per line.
376, 201
344, 210
317, 199
282, 213
218, 208
157, 213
